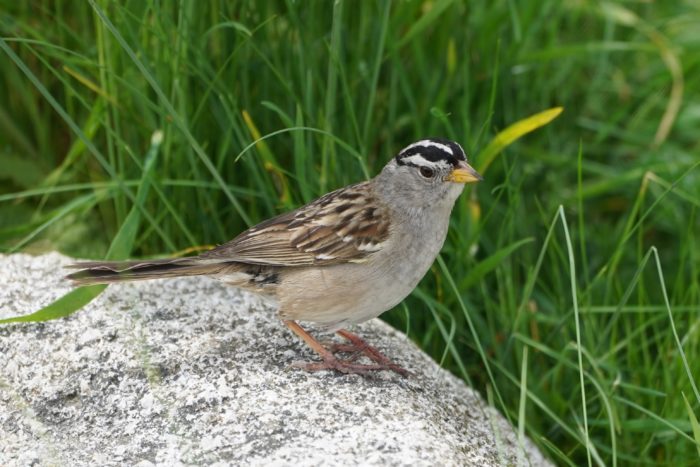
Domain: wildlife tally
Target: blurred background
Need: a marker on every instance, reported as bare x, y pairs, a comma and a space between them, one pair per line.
568, 291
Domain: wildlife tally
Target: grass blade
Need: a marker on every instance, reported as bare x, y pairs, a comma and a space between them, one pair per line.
177, 119
572, 273
521, 407
673, 325
513, 132
124, 240
693, 422
64, 306
487, 265
119, 249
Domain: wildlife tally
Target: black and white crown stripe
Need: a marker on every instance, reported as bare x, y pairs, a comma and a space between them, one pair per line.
418, 160
425, 143
432, 152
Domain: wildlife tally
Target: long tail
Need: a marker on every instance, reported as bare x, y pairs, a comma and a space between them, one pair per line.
103, 272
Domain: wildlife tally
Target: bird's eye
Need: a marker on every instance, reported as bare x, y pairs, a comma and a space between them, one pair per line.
427, 172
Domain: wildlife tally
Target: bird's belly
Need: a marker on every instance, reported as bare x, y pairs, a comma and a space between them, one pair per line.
336, 296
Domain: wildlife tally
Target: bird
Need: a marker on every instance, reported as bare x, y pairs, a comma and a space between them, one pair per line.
339, 260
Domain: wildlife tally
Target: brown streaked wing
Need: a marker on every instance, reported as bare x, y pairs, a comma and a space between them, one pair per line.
346, 225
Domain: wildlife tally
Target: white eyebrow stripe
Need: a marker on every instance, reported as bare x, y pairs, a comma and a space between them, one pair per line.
418, 160
426, 143
421, 161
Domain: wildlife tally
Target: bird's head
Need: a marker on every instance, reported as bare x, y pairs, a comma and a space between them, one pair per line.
429, 172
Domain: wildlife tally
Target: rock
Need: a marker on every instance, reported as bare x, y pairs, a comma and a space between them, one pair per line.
189, 371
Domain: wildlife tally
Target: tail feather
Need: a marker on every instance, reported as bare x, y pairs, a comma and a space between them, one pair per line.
104, 272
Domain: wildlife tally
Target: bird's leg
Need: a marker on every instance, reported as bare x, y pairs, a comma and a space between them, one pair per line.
330, 361
358, 344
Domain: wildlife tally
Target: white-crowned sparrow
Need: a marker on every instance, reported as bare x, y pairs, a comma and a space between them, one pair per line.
342, 259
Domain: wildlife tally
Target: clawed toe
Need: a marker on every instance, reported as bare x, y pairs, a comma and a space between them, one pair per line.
355, 346
360, 346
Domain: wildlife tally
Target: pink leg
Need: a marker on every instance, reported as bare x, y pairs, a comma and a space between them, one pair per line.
331, 362
359, 345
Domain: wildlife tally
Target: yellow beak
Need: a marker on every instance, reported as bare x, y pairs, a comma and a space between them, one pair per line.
464, 173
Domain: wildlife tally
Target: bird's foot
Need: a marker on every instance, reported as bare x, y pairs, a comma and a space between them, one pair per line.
356, 346
359, 346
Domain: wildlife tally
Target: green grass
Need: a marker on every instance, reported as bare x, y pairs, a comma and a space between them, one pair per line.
568, 292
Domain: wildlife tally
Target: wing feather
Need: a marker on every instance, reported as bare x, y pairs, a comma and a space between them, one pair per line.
346, 225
